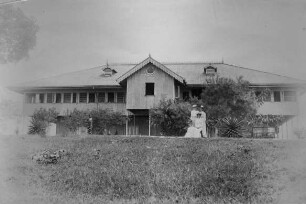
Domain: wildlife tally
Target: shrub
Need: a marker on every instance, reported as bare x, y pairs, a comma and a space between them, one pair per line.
231, 127
37, 127
75, 120
104, 119
41, 119
172, 116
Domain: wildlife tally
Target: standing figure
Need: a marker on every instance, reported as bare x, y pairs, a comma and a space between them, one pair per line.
193, 115
203, 117
195, 128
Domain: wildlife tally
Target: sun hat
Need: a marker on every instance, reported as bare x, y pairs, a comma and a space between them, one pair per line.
194, 106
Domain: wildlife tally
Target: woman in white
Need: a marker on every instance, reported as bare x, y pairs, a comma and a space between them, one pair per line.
203, 119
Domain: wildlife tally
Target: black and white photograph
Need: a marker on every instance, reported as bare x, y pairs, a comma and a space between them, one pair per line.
153, 101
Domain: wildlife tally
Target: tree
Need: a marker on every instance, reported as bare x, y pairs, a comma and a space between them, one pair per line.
172, 116
41, 119
17, 34
228, 97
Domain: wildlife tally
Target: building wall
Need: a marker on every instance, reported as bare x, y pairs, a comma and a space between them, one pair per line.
279, 108
136, 85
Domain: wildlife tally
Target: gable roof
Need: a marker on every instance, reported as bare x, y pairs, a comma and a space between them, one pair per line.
191, 73
154, 62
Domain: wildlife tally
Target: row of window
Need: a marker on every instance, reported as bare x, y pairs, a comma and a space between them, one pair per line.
278, 96
83, 97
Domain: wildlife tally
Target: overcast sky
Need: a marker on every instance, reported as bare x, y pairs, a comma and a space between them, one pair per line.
268, 35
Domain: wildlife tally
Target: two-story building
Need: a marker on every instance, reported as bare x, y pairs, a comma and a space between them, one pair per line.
135, 88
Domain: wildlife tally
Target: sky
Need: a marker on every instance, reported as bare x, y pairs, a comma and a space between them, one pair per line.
267, 35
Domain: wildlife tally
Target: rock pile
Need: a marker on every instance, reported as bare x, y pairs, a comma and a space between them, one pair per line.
49, 157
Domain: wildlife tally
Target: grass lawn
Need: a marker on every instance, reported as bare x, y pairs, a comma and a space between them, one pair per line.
153, 170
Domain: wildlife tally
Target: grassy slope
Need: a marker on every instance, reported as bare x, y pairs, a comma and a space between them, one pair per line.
149, 169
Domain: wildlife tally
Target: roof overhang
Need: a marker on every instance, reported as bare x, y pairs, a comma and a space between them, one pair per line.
154, 62
24, 89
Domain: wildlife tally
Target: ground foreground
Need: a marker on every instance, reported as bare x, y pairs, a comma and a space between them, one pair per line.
153, 170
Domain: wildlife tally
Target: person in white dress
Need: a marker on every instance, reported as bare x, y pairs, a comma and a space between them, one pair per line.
203, 119
194, 131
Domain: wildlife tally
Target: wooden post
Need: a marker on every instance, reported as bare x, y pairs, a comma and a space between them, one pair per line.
149, 125
134, 130
126, 125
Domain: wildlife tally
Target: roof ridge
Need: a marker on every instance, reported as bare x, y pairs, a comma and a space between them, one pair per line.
263, 71
172, 63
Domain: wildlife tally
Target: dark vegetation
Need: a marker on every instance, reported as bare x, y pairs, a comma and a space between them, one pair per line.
230, 106
172, 116
102, 120
41, 120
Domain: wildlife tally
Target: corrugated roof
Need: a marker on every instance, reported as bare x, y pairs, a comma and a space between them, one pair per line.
192, 73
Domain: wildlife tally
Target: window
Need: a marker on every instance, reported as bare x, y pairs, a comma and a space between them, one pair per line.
150, 70
120, 97
177, 94
277, 96
108, 72
101, 97
41, 98
58, 98
111, 97
149, 89
83, 98
210, 70
289, 96
67, 97
91, 98
50, 97
30, 98
74, 97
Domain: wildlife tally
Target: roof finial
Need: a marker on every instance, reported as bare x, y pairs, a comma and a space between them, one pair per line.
222, 60
106, 63
149, 55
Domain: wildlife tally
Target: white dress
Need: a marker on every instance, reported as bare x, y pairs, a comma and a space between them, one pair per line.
203, 118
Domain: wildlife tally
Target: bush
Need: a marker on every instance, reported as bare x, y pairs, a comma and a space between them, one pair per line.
172, 116
231, 127
102, 119
37, 127
75, 120
41, 120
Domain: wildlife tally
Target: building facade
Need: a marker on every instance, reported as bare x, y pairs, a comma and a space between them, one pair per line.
135, 88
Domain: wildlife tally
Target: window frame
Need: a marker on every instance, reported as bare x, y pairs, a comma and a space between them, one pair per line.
108, 101
280, 96
39, 98
70, 98
123, 97
292, 98
89, 97
149, 89
56, 98
85, 101
102, 97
